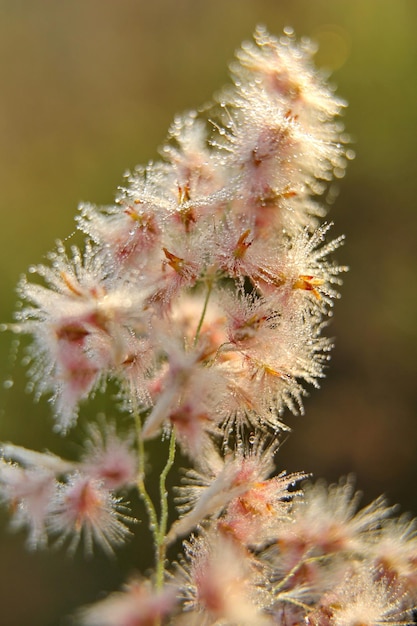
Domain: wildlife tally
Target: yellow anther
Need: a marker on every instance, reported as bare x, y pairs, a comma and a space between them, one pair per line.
308, 283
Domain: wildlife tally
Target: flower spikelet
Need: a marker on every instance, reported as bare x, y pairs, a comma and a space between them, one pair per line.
221, 581
85, 509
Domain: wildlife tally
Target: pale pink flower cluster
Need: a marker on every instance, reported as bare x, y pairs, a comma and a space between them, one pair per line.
204, 291
71, 501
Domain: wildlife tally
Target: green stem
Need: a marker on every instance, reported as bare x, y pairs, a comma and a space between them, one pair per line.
160, 537
157, 527
153, 518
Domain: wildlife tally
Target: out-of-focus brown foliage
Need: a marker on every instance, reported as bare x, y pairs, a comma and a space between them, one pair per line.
88, 90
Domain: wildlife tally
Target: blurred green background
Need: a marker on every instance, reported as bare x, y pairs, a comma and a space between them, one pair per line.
88, 89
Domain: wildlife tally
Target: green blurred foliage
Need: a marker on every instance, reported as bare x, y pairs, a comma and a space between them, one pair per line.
88, 89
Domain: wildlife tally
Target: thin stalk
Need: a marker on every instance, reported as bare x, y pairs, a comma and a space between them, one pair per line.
153, 518
160, 537
157, 527
203, 313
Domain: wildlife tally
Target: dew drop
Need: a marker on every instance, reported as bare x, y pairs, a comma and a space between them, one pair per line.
8, 384
32, 269
339, 172
226, 447
252, 438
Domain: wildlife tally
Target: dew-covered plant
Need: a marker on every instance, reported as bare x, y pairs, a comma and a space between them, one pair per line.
204, 292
